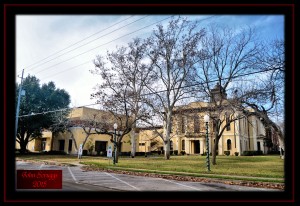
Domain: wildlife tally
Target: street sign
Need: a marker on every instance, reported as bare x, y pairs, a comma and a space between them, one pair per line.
109, 152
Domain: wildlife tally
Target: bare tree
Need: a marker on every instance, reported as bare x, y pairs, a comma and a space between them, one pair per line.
228, 54
94, 123
266, 97
172, 52
62, 124
125, 79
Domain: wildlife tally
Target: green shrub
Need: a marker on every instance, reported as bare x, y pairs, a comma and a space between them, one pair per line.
175, 152
236, 154
54, 152
182, 152
252, 153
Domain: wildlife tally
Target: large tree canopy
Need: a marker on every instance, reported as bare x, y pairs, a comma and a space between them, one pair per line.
38, 99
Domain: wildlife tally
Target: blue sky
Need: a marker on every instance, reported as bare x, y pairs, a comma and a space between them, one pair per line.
39, 36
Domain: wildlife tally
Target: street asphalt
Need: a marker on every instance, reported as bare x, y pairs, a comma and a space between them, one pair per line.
76, 179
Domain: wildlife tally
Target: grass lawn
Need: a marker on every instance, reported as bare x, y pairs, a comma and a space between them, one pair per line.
248, 166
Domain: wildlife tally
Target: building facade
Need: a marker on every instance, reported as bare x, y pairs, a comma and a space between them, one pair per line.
70, 140
188, 133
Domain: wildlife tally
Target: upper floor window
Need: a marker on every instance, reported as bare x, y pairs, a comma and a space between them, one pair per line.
183, 144
183, 125
227, 122
196, 124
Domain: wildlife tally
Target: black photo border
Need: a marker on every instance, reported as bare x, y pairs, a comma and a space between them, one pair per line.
13, 9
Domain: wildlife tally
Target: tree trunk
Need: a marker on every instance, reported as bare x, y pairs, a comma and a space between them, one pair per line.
167, 129
214, 151
72, 137
117, 151
87, 136
167, 149
23, 145
22, 142
133, 142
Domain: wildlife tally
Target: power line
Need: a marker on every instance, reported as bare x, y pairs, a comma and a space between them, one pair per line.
58, 110
101, 45
87, 43
90, 41
233, 77
78, 42
197, 84
95, 48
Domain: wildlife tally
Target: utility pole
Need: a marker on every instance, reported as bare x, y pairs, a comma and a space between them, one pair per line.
18, 107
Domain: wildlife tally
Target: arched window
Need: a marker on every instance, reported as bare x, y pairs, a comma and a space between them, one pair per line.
228, 144
183, 144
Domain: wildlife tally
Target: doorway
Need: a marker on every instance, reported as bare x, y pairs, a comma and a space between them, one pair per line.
196, 146
61, 145
44, 141
258, 146
100, 147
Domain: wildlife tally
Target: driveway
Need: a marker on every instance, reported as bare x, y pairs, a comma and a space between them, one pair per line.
76, 179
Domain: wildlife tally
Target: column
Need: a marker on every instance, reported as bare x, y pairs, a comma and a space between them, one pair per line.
202, 145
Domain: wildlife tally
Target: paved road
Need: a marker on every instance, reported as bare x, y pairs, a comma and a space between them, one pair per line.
75, 179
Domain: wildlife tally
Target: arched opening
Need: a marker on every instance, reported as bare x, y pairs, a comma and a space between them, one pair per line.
228, 144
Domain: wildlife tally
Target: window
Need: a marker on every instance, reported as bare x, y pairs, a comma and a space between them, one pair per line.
228, 144
258, 146
61, 144
44, 141
183, 144
183, 124
196, 124
171, 145
227, 122
142, 144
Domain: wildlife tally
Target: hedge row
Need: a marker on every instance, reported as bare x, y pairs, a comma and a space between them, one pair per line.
252, 153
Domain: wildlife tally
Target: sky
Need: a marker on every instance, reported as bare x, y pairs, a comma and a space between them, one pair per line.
61, 48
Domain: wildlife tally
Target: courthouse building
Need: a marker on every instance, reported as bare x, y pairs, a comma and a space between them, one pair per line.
188, 133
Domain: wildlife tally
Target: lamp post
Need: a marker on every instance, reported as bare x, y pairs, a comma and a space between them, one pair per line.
206, 120
115, 142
